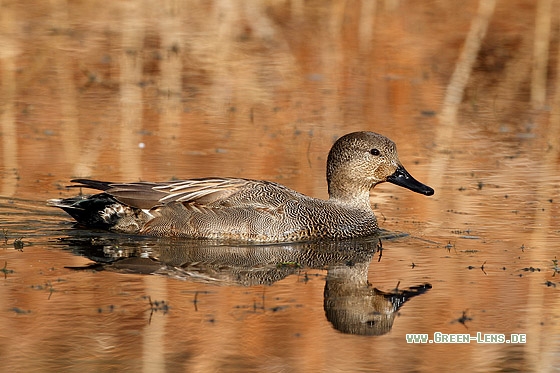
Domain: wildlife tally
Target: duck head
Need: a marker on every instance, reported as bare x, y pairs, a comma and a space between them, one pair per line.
360, 160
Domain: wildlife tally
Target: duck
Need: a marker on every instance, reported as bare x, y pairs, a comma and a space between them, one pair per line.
247, 210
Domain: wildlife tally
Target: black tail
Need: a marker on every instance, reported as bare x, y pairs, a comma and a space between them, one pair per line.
87, 210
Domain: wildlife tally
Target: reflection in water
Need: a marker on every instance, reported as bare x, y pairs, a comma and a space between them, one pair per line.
130, 59
463, 68
8, 59
351, 304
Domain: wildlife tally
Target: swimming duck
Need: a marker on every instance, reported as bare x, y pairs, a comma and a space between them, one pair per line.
251, 210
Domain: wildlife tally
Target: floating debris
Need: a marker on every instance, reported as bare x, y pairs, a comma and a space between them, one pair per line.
463, 319
19, 311
110, 308
18, 244
6, 271
556, 269
449, 246
531, 269
481, 267
155, 306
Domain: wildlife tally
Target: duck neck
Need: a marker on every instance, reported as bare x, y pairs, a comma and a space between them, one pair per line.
357, 196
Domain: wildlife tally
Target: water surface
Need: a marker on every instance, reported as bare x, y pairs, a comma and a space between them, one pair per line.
141, 92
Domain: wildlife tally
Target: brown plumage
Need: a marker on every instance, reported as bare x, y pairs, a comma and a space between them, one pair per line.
251, 210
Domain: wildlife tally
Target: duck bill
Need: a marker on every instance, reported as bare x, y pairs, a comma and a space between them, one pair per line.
401, 177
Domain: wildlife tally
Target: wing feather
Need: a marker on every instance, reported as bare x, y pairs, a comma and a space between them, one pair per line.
200, 194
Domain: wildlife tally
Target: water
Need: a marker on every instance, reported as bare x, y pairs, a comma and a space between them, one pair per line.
152, 93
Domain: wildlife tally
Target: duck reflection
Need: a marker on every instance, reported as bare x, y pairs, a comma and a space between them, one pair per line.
352, 305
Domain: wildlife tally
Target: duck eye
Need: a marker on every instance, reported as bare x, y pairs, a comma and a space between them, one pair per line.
375, 152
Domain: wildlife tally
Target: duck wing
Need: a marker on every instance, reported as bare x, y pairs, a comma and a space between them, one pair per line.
213, 193
207, 193
138, 194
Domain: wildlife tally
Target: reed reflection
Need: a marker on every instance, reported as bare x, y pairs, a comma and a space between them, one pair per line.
352, 305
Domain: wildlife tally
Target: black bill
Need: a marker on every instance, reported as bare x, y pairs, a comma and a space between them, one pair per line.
401, 177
